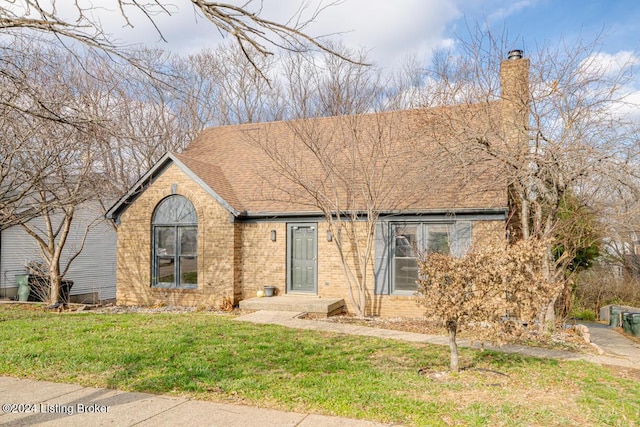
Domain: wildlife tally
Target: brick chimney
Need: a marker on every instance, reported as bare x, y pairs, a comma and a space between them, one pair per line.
515, 109
514, 93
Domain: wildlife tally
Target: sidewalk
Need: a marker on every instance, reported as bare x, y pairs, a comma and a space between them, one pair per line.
53, 404
617, 350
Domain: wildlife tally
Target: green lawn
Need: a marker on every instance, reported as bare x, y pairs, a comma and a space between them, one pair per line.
213, 357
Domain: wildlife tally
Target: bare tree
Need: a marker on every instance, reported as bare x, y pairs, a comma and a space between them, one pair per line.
324, 87
24, 105
553, 123
49, 165
342, 166
67, 185
615, 277
24, 23
620, 211
142, 117
99, 122
15, 183
139, 119
253, 33
22, 88
224, 83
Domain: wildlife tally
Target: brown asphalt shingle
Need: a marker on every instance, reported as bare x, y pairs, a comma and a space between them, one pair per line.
348, 161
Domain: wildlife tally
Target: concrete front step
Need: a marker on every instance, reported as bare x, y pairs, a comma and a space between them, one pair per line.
295, 303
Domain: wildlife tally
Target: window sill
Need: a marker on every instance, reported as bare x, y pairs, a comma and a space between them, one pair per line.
398, 295
403, 296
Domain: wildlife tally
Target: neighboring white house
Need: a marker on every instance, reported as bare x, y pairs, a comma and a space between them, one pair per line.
93, 272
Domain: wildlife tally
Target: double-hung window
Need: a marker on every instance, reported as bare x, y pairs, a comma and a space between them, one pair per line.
411, 240
175, 244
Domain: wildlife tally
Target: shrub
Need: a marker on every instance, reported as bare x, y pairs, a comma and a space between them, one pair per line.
601, 286
483, 287
588, 315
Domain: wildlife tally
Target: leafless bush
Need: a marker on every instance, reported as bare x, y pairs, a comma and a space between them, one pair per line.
602, 286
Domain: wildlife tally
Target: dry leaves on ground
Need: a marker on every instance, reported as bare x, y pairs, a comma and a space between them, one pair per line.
562, 339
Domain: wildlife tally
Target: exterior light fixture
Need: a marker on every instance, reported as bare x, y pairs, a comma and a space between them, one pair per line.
273, 235
329, 236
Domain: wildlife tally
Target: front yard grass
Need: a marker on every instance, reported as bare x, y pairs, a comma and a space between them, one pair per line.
212, 357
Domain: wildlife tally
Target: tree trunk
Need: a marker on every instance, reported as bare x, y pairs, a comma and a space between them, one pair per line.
550, 316
524, 217
452, 327
55, 282
549, 319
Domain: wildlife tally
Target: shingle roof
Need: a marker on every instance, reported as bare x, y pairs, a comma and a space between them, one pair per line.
259, 168
214, 177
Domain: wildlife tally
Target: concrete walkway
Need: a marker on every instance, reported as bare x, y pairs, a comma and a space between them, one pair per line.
28, 402
614, 344
616, 349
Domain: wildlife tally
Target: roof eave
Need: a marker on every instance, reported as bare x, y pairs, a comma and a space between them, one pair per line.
161, 165
123, 202
500, 210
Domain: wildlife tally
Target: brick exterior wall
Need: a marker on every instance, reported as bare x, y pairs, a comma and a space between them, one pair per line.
215, 239
264, 263
235, 260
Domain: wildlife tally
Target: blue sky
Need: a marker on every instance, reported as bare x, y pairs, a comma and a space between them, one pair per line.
391, 29
548, 20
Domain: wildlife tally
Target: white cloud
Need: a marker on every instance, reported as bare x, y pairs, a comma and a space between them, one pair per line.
618, 67
512, 8
611, 64
388, 30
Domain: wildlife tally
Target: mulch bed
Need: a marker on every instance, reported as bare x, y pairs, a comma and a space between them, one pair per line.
567, 339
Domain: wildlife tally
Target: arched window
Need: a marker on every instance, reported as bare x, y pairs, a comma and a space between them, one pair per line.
175, 244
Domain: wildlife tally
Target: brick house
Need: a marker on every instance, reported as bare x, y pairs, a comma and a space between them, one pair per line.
237, 210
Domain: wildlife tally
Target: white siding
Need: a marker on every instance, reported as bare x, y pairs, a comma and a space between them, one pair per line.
17, 249
94, 270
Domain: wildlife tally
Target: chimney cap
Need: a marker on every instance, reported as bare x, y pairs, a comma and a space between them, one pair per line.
515, 54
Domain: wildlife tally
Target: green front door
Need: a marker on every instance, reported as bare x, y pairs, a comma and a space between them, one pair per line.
303, 256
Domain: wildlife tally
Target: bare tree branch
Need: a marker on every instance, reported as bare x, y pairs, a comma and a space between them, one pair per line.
252, 32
